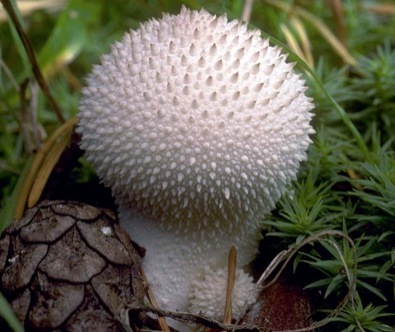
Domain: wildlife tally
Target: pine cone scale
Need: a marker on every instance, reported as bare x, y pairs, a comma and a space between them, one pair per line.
24, 261
4, 245
53, 302
113, 287
81, 263
90, 316
21, 305
100, 239
85, 212
46, 230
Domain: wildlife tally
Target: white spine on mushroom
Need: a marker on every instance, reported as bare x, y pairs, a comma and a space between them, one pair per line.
198, 126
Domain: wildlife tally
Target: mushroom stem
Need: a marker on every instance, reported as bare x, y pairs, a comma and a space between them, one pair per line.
173, 261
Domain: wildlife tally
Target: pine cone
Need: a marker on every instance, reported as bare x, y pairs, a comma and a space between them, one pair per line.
69, 267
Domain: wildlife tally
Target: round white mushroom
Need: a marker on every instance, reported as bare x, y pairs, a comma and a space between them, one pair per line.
198, 125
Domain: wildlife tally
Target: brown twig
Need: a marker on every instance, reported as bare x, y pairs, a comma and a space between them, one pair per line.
193, 319
32, 58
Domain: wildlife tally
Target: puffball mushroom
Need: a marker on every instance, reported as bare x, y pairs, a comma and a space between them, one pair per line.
198, 125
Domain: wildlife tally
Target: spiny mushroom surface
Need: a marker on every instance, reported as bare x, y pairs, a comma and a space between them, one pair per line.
207, 294
198, 125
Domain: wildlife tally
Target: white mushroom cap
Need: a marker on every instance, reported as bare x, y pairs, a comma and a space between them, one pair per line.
194, 118
198, 126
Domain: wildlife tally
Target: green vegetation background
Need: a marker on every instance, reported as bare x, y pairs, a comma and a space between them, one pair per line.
348, 183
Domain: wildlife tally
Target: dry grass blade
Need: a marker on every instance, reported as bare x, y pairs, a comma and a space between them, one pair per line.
232, 260
386, 9
62, 132
292, 42
26, 7
320, 26
337, 10
247, 10
306, 46
32, 58
49, 162
151, 297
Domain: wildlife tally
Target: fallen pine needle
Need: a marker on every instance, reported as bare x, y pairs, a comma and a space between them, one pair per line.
231, 282
151, 297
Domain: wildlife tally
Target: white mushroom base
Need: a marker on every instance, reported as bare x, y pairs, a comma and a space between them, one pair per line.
176, 261
207, 294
